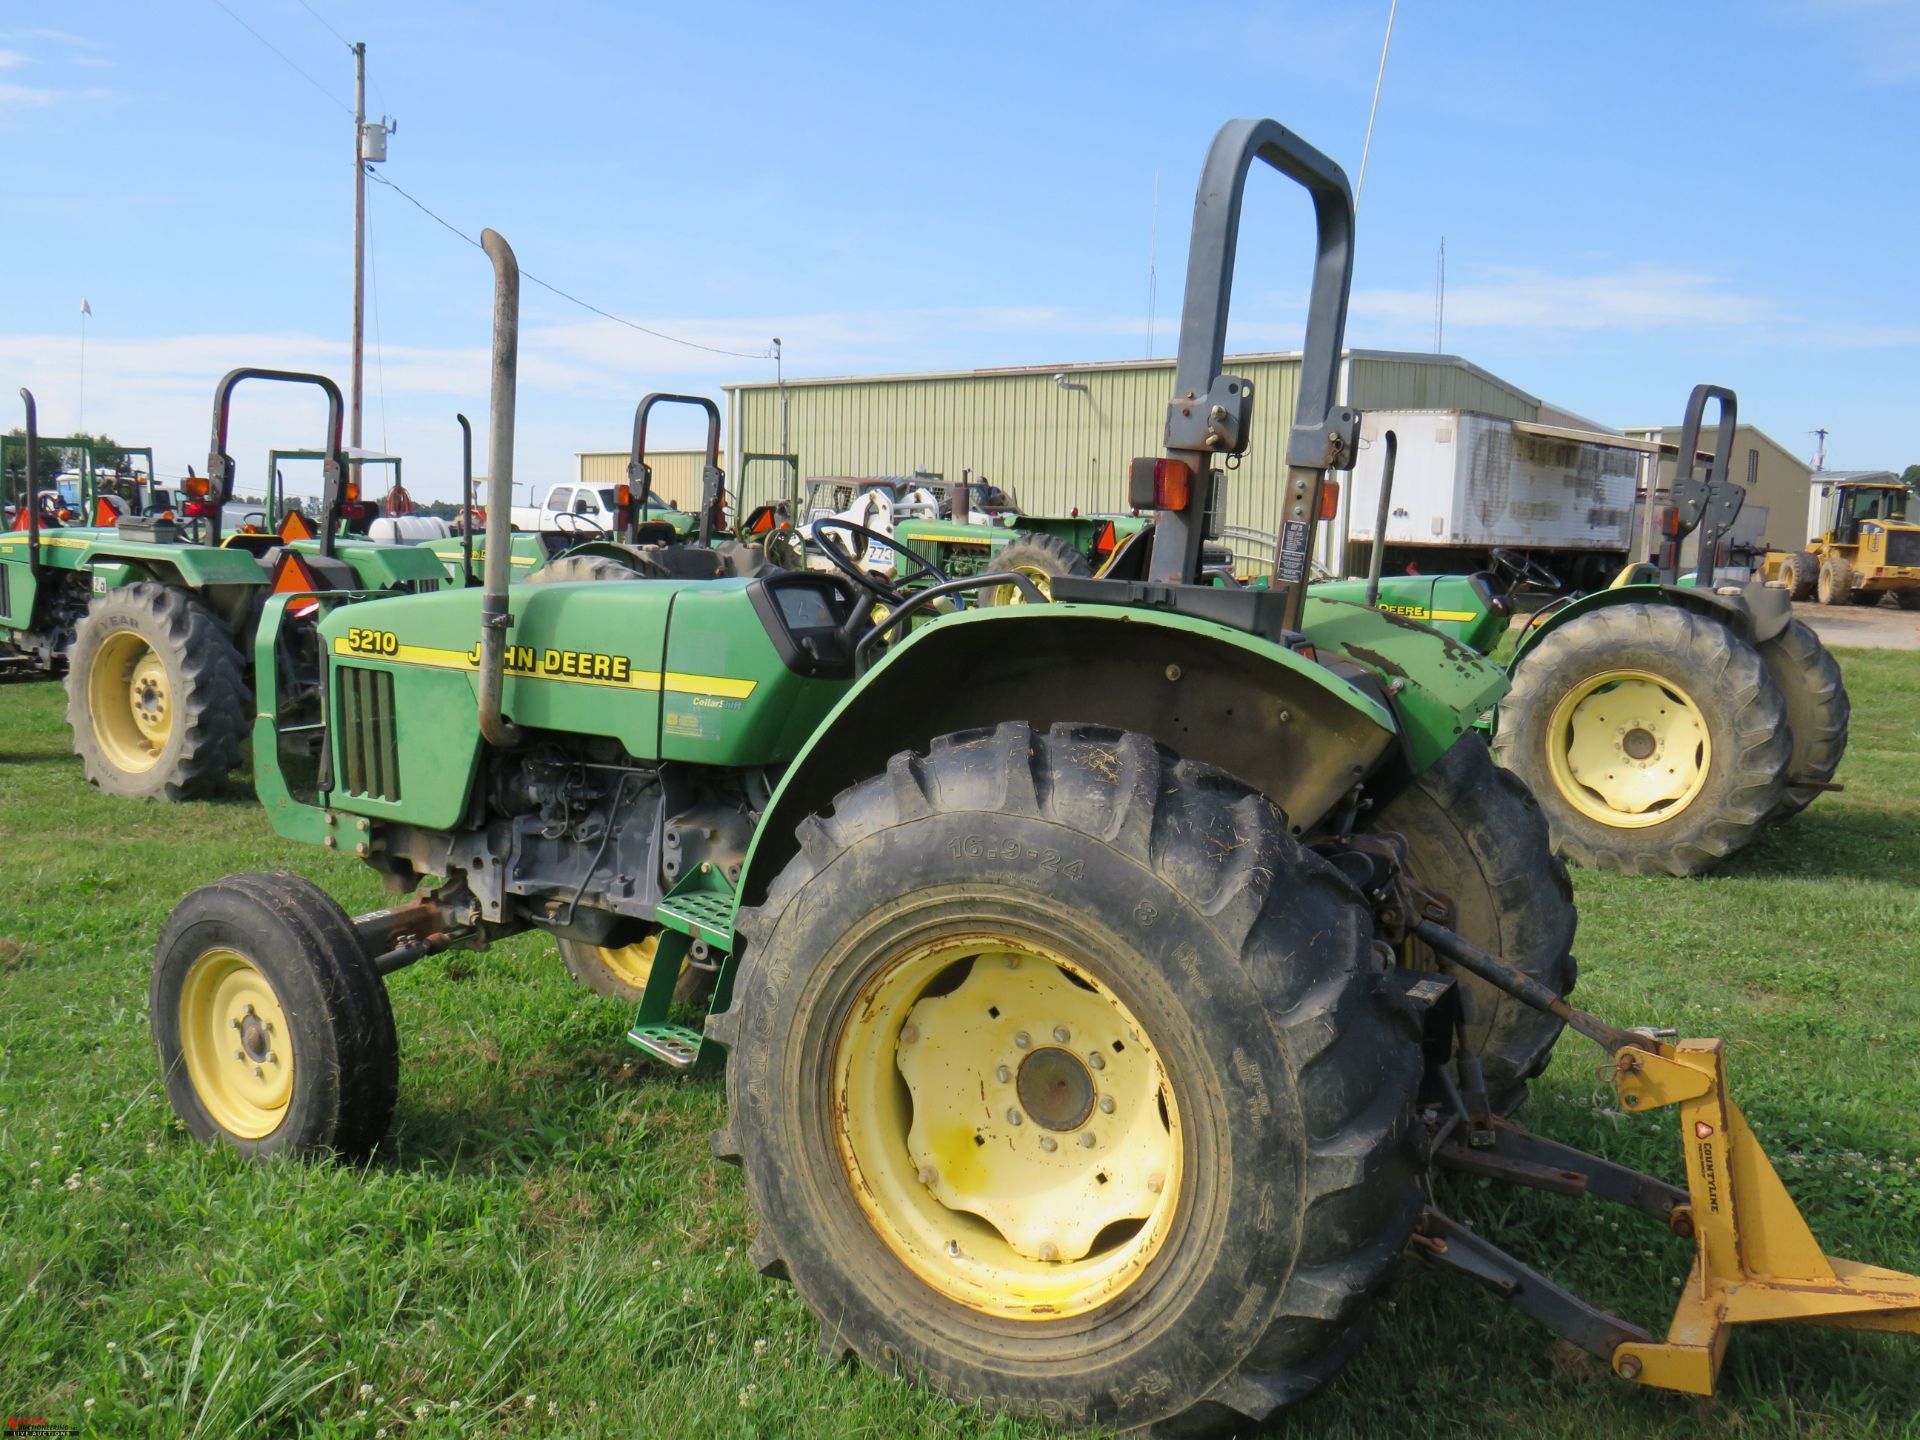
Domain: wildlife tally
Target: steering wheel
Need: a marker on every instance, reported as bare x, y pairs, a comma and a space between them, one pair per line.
577, 524
1521, 569
846, 561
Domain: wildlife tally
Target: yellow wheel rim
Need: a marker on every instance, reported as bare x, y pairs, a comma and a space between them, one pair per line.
1628, 748
1013, 595
1007, 1127
235, 1044
130, 702
630, 964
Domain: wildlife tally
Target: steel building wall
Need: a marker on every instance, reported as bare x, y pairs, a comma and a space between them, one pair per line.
1061, 448
676, 473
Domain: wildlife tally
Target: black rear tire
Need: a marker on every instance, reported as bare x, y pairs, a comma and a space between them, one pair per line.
570, 569
1476, 834
338, 1040
156, 695
1907, 599
1741, 714
1251, 963
1817, 712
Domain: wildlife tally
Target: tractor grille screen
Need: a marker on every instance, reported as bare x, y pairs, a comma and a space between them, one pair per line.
369, 749
1903, 547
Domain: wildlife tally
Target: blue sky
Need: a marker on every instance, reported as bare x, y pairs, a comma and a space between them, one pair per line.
1634, 197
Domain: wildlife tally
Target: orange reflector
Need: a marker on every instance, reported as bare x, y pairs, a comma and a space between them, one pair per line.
103, 511
291, 576
195, 485
353, 488
295, 527
623, 494
1329, 499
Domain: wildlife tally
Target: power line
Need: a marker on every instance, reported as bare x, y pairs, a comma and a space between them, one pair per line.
324, 25
564, 295
284, 58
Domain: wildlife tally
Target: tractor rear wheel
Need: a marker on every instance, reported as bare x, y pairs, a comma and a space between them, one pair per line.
274, 1030
156, 698
1041, 558
1476, 834
1907, 599
1061, 1083
1817, 712
1836, 581
621, 972
1652, 737
1801, 573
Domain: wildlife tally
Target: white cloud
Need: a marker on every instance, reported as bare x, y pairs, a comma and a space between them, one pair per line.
25, 97
14, 59
1513, 298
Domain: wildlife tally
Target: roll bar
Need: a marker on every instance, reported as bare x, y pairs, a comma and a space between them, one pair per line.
1211, 413
1709, 505
640, 474
333, 457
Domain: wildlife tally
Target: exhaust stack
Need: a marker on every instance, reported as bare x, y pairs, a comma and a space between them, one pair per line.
494, 617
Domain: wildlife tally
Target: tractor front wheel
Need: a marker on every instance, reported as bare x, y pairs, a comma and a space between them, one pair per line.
156, 699
621, 972
274, 1030
1062, 1083
1907, 599
1653, 738
1817, 712
1041, 558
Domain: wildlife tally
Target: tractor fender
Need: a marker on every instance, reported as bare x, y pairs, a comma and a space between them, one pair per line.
1213, 694
1757, 614
192, 567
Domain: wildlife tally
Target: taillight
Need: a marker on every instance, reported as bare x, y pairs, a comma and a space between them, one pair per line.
199, 509
1159, 484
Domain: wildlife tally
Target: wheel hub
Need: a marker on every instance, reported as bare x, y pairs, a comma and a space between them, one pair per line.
1055, 1089
1628, 748
130, 701
235, 1044
1007, 1127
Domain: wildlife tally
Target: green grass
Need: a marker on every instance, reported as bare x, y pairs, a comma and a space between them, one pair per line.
546, 1248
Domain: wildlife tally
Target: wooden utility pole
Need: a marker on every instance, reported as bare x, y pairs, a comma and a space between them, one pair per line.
359, 237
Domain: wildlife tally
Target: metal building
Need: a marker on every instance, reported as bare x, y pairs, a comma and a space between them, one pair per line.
1060, 437
1774, 513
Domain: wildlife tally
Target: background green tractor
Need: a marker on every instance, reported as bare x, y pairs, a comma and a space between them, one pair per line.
1663, 722
153, 629
1095, 979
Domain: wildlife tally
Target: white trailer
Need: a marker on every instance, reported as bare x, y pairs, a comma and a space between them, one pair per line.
1465, 483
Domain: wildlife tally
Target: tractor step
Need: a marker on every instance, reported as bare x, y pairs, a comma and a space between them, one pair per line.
675, 1045
704, 914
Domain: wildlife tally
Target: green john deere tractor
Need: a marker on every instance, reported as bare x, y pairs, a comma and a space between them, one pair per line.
153, 630
1096, 980
1663, 722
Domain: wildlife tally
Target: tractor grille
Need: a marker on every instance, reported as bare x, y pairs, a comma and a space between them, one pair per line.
1903, 547
369, 743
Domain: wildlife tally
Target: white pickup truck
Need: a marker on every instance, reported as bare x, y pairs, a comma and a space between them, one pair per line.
588, 510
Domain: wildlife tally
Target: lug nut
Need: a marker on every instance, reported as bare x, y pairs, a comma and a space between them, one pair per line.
929, 1175
240, 1055
249, 1010
234, 1024
1097, 1060
1003, 1075
1062, 1034
1013, 1117
1086, 1139
258, 1073
272, 1058
909, 1034
1049, 1144
1049, 1251
1630, 1367
1022, 1040
1156, 1182
1106, 1104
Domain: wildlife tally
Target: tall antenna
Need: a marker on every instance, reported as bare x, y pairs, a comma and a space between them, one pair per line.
1820, 451
1440, 299
1367, 148
1153, 262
